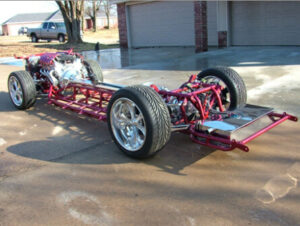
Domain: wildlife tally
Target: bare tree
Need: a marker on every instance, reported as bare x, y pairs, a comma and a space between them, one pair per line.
82, 20
91, 11
95, 16
106, 6
72, 11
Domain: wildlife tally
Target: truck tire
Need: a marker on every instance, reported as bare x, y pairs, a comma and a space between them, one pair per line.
61, 38
34, 38
138, 121
234, 94
94, 71
21, 88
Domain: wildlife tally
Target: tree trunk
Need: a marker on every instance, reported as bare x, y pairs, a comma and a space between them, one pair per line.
107, 8
107, 17
73, 31
94, 17
82, 22
72, 12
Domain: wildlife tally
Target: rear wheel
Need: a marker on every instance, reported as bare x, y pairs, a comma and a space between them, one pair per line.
94, 71
61, 38
139, 121
21, 89
234, 92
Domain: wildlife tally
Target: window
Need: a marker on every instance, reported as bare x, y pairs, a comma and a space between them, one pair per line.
60, 25
45, 25
51, 25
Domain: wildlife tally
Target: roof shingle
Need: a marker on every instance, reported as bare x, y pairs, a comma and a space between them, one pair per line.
30, 17
41, 17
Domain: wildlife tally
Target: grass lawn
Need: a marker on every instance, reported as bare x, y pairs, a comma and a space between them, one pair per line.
22, 45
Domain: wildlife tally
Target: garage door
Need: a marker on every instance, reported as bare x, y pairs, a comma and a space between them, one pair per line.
162, 24
265, 23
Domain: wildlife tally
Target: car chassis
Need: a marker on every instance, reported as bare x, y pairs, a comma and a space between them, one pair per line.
196, 108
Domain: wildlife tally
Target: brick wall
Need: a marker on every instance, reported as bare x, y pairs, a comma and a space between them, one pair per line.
121, 8
4, 29
200, 12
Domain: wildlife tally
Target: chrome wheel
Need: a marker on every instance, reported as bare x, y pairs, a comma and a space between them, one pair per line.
225, 94
15, 91
128, 124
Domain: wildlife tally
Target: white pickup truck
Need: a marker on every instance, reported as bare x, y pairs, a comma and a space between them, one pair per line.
48, 31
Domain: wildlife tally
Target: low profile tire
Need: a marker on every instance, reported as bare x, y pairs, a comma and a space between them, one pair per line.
34, 38
139, 121
234, 93
94, 71
21, 89
61, 38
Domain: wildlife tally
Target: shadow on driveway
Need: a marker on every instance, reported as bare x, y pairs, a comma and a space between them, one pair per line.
87, 141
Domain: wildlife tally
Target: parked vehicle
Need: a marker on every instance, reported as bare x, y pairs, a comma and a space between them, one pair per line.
22, 31
210, 107
48, 31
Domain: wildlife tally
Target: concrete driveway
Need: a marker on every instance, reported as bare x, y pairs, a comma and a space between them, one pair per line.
59, 168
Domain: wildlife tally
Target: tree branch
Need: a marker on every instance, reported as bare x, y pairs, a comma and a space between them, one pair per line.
63, 9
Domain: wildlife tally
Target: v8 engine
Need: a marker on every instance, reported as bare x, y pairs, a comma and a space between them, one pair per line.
62, 68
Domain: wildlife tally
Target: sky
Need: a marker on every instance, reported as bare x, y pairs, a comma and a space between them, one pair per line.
10, 8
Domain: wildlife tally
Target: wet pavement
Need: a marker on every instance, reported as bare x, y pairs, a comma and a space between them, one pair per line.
60, 168
185, 59
271, 74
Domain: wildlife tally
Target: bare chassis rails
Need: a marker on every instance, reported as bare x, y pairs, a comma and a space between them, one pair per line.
93, 101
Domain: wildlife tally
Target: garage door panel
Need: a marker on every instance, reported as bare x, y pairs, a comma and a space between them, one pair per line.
162, 24
265, 23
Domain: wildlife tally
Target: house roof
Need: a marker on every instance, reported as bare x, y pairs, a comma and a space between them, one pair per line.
56, 16
41, 17
30, 17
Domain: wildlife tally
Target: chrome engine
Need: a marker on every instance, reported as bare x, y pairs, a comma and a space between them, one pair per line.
73, 71
62, 70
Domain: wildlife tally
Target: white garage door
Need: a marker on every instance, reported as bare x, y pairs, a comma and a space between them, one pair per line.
162, 24
265, 23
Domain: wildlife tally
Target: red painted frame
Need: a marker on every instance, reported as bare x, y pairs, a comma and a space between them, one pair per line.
93, 101
226, 144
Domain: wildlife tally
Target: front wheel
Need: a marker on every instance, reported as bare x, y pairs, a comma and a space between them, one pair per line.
21, 89
139, 121
34, 38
